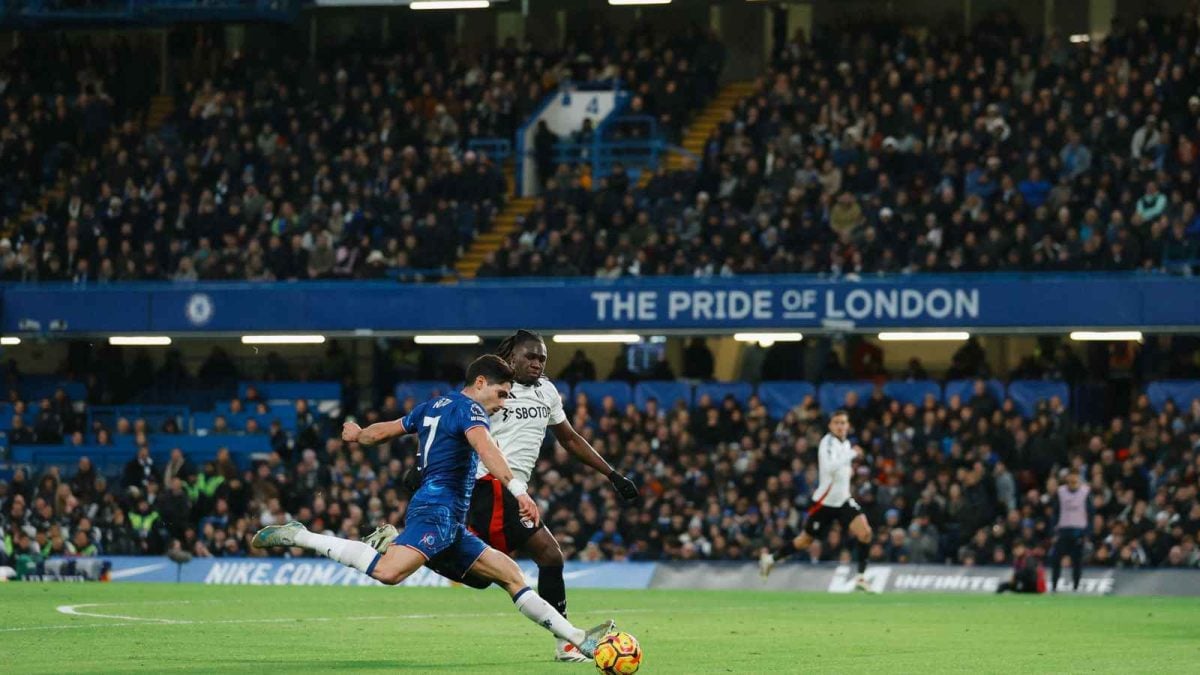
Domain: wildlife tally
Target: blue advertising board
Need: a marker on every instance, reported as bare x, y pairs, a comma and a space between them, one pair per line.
323, 572
978, 302
680, 575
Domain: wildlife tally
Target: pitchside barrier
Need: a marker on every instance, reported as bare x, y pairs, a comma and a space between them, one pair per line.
832, 578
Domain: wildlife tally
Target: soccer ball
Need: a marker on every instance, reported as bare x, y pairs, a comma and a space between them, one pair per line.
618, 654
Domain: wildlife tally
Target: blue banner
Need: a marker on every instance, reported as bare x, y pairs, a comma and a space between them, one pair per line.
322, 572
979, 302
680, 575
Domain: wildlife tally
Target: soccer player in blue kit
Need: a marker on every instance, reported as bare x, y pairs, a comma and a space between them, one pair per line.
452, 431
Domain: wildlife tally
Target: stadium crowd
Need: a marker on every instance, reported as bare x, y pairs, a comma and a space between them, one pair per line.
874, 151
274, 167
961, 481
886, 151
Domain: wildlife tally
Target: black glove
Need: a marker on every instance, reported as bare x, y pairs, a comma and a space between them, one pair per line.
411, 481
626, 488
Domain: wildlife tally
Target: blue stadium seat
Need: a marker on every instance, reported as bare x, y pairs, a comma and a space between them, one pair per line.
203, 422
1026, 394
222, 408
666, 392
1182, 392
717, 391
204, 448
421, 390
126, 442
285, 412
596, 391
110, 459
782, 396
313, 391
832, 395
914, 391
106, 459
564, 391
37, 387
6, 416
964, 389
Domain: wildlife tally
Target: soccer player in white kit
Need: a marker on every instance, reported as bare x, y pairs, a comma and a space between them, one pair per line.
1073, 524
835, 458
519, 428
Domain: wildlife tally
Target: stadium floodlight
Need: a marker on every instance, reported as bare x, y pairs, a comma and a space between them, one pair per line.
767, 339
1080, 37
925, 336
283, 339
451, 4
1106, 335
598, 338
638, 2
447, 339
139, 340
10, 341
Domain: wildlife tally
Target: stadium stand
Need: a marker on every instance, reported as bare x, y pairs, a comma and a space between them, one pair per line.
358, 166
805, 175
958, 470
847, 158
854, 160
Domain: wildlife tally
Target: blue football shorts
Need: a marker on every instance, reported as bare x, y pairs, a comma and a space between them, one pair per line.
450, 549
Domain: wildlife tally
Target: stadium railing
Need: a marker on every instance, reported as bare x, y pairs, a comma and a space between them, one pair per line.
497, 149
281, 390
155, 415
605, 150
110, 459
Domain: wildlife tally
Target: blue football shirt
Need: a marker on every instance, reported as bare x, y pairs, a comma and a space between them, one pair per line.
445, 457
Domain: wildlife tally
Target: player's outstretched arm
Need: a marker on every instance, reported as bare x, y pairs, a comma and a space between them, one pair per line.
577, 445
376, 433
485, 446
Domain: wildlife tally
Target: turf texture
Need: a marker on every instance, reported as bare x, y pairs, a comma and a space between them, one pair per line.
122, 627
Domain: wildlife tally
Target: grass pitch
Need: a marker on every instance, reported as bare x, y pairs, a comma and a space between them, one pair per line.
190, 628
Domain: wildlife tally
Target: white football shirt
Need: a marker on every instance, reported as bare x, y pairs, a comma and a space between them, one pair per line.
520, 426
834, 459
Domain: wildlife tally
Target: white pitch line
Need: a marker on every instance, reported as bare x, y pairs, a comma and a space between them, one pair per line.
124, 620
73, 610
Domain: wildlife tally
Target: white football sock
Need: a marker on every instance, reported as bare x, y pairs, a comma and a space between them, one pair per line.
354, 554
543, 614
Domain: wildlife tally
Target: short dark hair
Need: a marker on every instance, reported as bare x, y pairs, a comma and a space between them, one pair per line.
493, 369
839, 412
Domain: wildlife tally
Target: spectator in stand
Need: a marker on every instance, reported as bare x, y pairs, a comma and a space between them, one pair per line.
579, 368
140, 471
697, 360
272, 166
875, 164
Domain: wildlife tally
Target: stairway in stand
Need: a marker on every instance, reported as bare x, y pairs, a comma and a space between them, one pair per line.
161, 108
697, 132
503, 226
695, 136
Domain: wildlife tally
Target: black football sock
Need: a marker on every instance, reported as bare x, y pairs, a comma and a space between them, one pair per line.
552, 588
788, 548
864, 550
